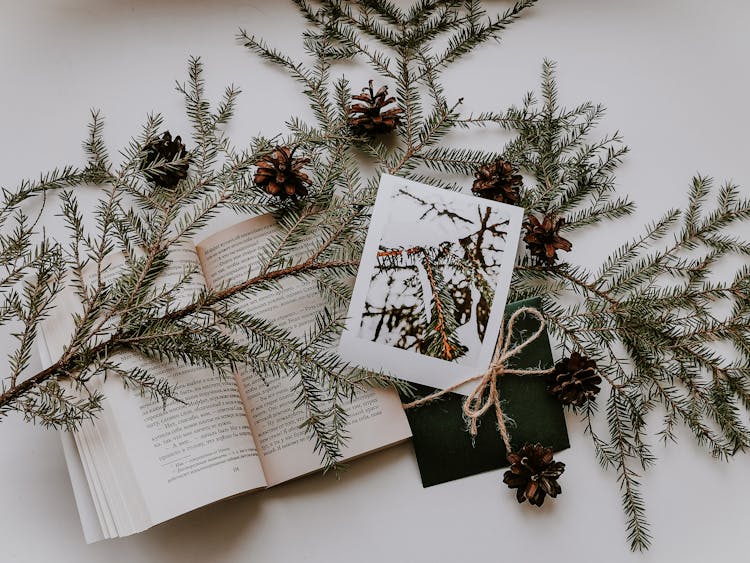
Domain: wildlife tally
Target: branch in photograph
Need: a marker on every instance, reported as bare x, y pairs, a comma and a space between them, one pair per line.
457, 277
398, 317
480, 247
426, 322
432, 207
440, 337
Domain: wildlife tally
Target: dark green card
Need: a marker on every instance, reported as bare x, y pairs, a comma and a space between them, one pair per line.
442, 443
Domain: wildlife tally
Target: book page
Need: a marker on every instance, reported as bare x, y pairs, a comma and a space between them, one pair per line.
88, 511
155, 463
376, 418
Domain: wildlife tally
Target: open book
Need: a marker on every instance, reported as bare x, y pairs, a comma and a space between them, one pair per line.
139, 464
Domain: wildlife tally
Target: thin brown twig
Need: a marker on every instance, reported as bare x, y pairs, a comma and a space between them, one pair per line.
440, 326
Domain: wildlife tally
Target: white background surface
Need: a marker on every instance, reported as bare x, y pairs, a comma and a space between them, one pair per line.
674, 76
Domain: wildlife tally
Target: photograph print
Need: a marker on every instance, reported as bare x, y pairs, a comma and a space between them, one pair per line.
435, 271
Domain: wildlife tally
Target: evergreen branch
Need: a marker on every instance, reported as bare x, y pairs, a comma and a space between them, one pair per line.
57, 179
474, 34
71, 360
296, 70
439, 122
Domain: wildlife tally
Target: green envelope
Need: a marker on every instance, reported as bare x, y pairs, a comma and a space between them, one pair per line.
443, 446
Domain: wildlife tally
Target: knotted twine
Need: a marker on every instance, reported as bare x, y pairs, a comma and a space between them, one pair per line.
485, 394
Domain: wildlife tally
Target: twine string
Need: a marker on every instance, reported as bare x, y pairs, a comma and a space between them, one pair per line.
485, 395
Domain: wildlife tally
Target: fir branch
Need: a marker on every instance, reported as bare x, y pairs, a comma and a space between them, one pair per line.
651, 299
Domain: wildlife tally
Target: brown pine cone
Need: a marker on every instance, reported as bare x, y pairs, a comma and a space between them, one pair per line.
534, 472
370, 117
543, 239
280, 174
576, 380
165, 151
498, 181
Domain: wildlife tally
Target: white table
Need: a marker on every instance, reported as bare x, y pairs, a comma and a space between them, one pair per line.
675, 78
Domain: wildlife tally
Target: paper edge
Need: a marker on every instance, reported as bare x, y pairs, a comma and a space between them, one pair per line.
92, 530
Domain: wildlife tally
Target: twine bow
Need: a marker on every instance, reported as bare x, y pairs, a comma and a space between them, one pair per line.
485, 394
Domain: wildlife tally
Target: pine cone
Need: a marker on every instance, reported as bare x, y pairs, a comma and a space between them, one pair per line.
369, 118
534, 472
498, 181
543, 239
166, 151
576, 380
280, 174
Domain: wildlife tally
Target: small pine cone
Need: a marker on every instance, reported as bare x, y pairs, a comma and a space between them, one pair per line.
499, 181
370, 118
534, 472
543, 239
576, 380
280, 174
166, 151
